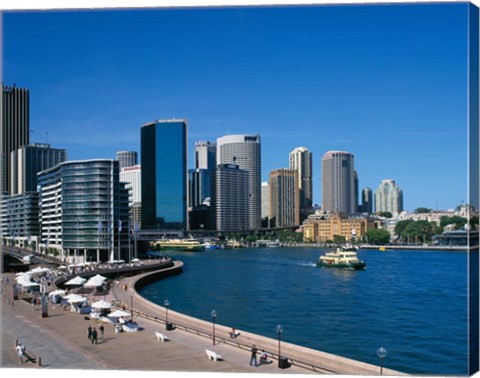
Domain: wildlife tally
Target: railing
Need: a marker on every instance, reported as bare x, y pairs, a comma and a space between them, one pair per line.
228, 341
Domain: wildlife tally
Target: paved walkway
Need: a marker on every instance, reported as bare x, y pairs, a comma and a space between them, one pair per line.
60, 340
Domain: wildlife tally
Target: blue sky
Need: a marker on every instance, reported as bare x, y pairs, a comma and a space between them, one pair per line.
387, 83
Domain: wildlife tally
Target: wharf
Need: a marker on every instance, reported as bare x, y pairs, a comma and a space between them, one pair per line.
60, 340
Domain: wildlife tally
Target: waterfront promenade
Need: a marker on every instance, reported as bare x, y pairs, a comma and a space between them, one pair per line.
60, 340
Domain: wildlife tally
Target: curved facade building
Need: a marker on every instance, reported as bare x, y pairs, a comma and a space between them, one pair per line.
127, 158
338, 182
84, 210
245, 151
389, 197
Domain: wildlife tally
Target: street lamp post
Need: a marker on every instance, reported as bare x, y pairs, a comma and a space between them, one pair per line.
213, 314
166, 304
381, 353
279, 333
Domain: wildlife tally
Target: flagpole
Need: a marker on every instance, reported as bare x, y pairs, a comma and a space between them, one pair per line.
129, 246
119, 229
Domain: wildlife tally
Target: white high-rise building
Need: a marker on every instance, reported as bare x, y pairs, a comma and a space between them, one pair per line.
265, 200
133, 176
127, 158
245, 151
301, 160
389, 197
338, 182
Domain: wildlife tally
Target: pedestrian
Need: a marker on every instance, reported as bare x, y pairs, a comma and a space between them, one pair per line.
33, 303
102, 330
89, 332
20, 352
94, 336
254, 356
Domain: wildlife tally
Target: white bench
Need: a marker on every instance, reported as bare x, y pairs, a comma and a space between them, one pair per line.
212, 355
161, 337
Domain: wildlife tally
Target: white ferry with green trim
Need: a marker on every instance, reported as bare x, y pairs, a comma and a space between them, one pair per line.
344, 257
191, 245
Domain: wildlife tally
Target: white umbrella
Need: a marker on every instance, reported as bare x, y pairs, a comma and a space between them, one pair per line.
101, 305
25, 280
135, 260
56, 292
118, 314
75, 298
39, 270
76, 281
95, 281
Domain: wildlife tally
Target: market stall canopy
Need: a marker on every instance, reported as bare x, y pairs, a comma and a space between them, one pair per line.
118, 314
75, 281
25, 280
56, 292
95, 281
101, 305
75, 298
39, 270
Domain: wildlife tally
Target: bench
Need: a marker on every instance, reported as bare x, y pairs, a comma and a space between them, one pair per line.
212, 355
161, 337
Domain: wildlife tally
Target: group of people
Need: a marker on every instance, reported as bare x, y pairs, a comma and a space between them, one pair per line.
93, 334
263, 357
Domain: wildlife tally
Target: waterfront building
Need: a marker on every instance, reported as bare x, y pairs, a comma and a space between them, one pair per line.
127, 158
324, 227
230, 206
19, 218
301, 160
15, 118
265, 210
201, 176
284, 198
367, 201
245, 151
27, 161
84, 211
338, 185
205, 155
388, 197
132, 176
199, 187
164, 175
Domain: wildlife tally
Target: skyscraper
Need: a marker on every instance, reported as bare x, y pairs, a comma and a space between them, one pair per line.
265, 200
367, 200
27, 161
389, 197
245, 151
126, 158
205, 155
284, 198
164, 174
301, 161
15, 116
230, 198
84, 210
132, 176
338, 186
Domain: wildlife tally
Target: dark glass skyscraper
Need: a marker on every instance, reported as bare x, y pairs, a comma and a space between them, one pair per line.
15, 118
164, 174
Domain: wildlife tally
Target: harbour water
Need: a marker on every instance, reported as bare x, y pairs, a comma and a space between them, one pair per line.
413, 303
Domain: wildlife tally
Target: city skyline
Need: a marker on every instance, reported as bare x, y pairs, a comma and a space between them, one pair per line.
396, 100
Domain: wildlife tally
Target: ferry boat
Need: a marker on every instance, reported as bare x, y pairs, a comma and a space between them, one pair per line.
191, 245
344, 257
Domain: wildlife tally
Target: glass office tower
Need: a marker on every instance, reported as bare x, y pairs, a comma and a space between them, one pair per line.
164, 174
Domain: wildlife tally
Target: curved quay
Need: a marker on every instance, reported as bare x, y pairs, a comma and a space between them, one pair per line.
301, 357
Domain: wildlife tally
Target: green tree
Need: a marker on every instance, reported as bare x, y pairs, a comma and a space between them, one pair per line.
422, 210
474, 222
385, 214
339, 239
377, 236
459, 222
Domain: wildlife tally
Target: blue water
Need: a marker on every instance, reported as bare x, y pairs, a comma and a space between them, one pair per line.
413, 303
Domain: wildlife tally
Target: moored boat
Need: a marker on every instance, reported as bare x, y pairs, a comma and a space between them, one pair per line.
344, 257
191, 245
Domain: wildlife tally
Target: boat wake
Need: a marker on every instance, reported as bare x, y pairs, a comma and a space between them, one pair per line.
307, 263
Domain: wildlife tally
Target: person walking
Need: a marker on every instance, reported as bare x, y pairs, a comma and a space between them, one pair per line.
102, 330
253, 358
89, 332
94, 336
20, 352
